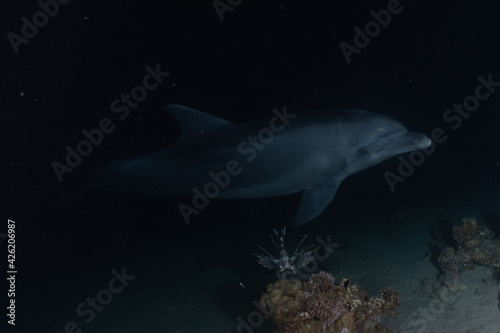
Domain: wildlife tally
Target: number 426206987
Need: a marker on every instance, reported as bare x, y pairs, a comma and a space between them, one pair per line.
11, 247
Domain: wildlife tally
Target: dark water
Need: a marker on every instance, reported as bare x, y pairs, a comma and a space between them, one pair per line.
60, 80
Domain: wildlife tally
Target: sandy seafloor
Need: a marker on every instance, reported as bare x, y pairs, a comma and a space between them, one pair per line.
170, 293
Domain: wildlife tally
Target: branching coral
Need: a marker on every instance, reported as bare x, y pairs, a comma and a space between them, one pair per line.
322, 301
321, 306
476, 245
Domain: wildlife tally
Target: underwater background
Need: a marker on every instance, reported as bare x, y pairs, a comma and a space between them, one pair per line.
239, 60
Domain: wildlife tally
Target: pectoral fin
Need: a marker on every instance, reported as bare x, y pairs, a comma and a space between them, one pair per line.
315, 200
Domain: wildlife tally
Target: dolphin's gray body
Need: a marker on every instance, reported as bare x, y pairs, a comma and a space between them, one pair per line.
311, 153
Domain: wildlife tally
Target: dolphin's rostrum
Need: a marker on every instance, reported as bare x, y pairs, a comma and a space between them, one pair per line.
310, 153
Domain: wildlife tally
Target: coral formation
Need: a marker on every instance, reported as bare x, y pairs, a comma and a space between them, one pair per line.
321, 301
476, 245
322, 306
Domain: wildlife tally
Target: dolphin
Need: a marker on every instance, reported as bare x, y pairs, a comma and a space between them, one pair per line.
214, 158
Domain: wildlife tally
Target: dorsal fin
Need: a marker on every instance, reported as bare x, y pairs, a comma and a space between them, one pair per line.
194, 123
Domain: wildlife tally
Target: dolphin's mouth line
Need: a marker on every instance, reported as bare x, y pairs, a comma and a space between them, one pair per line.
423, 143
405, 141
